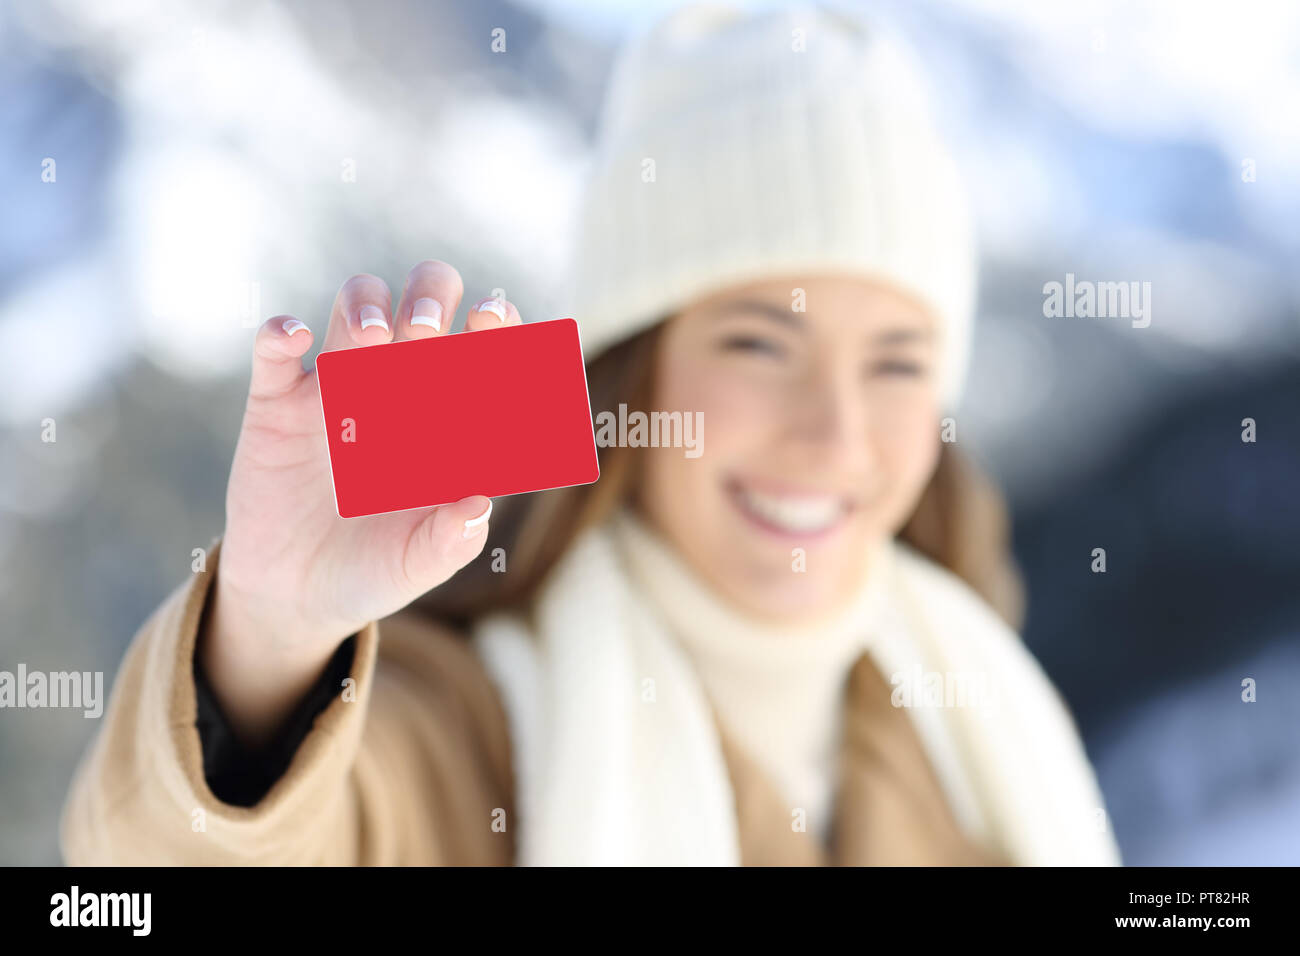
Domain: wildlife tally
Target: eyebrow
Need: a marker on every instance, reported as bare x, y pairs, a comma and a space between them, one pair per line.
900, 335
765, 309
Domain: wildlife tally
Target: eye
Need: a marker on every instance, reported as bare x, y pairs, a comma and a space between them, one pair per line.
898, 368
753, 343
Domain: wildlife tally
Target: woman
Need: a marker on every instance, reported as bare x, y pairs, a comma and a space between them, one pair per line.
777, 651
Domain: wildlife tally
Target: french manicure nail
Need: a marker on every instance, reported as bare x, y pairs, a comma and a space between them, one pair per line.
493, 305
373, 315
294, 325
427, 312
473, 523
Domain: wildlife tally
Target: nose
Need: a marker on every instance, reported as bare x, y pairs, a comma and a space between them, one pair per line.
829, 423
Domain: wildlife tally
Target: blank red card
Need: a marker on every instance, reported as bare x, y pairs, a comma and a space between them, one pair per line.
430, 421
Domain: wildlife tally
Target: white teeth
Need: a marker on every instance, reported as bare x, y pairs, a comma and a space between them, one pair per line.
800, 513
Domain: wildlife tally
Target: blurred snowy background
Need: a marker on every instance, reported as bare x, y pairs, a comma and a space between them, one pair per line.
200, 184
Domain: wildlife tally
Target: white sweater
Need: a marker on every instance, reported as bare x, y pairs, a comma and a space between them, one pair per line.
779, 691
608, 775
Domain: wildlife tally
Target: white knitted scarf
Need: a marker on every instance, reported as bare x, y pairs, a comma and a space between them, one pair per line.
618, 761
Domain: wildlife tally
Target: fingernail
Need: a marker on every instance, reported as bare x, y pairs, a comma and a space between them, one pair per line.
373, 315
294, 325
471, 524
427, 312
493, 305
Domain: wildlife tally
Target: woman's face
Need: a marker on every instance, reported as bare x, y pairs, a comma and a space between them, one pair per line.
820, 431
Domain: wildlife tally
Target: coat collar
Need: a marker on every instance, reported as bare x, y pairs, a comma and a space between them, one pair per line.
890, 809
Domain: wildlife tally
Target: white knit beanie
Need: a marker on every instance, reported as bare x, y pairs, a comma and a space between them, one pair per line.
737, 146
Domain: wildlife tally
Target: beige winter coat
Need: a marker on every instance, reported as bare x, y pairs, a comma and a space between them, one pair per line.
417, 768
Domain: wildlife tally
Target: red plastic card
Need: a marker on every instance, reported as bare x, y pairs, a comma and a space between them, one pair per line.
430, 421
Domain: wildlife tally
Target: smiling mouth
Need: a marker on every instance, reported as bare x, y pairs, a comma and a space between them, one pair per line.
790, 515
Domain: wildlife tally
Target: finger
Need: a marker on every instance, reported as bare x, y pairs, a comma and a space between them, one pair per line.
492, 313
429, 300
362, 314
278, 348
445, 540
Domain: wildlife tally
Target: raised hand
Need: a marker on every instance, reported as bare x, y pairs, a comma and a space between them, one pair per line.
295, 579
